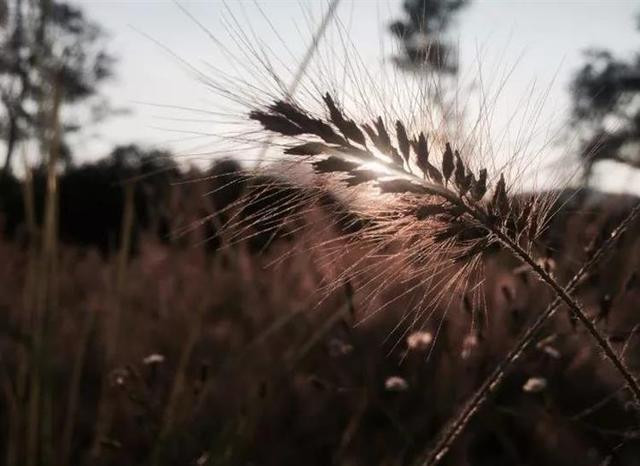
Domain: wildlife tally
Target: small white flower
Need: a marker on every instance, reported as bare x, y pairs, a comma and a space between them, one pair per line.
419, 340
203, 459
153, 358
396, 384
547, 340
119, 376
535, 385
468, 345
551, 351
548, 264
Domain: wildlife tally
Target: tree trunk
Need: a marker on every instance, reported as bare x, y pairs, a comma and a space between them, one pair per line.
12, 137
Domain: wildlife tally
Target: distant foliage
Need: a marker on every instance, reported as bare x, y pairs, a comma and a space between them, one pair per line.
46, 46
170, 204
422, 31
92, 198
606, 94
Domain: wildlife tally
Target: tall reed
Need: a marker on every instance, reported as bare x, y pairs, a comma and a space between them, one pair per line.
43, 300
112, 334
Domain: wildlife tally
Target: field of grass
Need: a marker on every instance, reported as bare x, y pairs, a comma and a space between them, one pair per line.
374, 269
299, 350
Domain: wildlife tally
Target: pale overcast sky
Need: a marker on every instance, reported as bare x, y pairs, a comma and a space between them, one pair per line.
544, 39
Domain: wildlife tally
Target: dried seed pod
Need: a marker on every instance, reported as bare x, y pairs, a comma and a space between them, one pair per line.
421, 149
447, 162
383, 135
348, 128
370, 132
459, 175
333, 165
381, 140
276, 123
403, 141
422, 152
384, 141
500, 201
308, 148
468, 182
400, 186
479, 186
523, 218
307, 124
434, 173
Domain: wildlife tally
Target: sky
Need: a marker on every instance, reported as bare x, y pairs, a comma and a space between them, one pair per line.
540, 43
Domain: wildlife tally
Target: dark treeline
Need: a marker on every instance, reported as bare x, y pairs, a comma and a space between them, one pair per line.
92, 198
169, 203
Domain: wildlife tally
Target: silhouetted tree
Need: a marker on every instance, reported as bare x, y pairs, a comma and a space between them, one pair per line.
45, 45
606, 109
422, 35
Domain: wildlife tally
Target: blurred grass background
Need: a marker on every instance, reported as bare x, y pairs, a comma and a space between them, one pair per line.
135, 330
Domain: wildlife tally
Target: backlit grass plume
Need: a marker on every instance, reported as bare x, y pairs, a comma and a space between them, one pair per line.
467, 211
462, 206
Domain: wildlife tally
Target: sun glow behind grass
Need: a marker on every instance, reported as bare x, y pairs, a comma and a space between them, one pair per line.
463, 111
